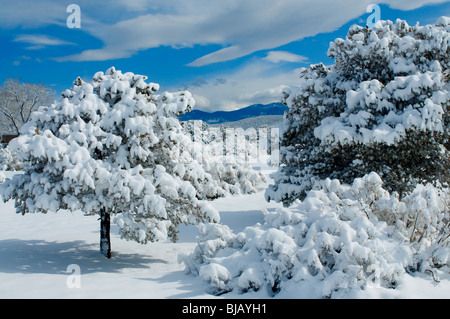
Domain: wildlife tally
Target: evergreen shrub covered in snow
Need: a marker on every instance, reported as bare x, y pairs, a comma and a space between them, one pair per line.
382, 107
341, 237
114, 146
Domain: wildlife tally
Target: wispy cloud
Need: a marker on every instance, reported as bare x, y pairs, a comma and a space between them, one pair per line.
19, 60
259, 81
409, 4
284, 56
241, 27
39, 41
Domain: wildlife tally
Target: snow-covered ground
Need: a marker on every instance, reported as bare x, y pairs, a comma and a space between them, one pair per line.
37, 251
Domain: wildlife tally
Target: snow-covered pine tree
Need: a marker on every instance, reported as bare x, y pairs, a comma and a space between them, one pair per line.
114, 148
383, 107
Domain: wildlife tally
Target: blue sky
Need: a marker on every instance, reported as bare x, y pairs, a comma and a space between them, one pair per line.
228, 53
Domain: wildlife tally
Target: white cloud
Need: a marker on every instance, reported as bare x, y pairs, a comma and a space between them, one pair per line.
241, 27
40, 41
201, 102
19, 60
256, 82
284, 56
31, 14
409, 4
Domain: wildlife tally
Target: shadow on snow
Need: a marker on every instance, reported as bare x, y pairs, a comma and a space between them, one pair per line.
39, 256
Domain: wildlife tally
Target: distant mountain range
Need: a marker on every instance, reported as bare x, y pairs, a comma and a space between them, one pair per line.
237, 115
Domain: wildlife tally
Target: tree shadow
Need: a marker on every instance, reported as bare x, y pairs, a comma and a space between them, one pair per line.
190, 286
40, 256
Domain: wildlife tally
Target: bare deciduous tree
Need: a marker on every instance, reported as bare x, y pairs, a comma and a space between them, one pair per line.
18, 100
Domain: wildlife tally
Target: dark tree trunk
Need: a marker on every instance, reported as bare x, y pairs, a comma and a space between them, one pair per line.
105, 240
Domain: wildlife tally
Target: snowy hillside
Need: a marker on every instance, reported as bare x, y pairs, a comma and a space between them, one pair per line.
37, 249
254, 122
